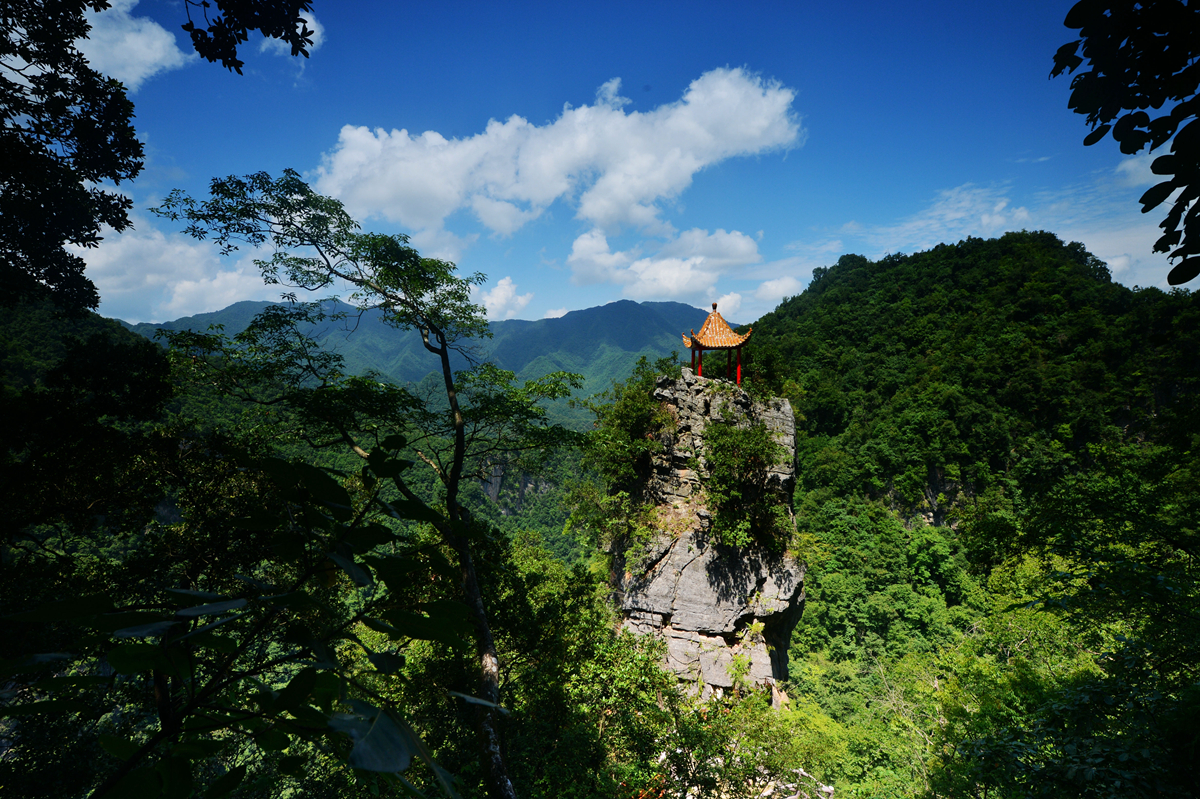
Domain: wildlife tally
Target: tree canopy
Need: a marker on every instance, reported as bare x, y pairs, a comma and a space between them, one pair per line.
66, 132
1142, 56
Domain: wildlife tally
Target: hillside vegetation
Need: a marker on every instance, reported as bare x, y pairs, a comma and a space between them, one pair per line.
997, 478
997, 494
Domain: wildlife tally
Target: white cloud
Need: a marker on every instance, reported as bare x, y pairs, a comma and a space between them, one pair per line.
278, 47
591, 261
955, 214
555, 313
1135, 171
614, 166
1101, 213
687, 266
502, 300
147, 275
772, 291
729, 304
130, 49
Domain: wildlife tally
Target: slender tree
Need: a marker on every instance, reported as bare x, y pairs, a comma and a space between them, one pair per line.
317, 246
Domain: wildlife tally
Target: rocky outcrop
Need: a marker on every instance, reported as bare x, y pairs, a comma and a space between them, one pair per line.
726, 613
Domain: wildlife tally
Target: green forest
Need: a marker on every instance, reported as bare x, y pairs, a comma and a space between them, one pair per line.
238, 562
231, 568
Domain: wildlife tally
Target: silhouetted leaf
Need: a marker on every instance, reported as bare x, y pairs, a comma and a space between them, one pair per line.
1096, 135
1185, 270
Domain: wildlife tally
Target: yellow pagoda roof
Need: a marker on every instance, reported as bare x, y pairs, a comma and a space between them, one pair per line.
715, 334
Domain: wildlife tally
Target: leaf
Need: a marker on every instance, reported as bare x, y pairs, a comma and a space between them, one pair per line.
119, 748
474, 700
414, 511
452, 613
177, 778
386, 662
65, 610
357, 574
1096, 135
292, 765
47, 706
298, 690
137, 658
211, 609
318, 482
394, 570
110, 622
188, 594
1155, 195
412, 625
210, 640
226, 783
393, 442
327, 689
259, 584
206, 628
31, 662
54, 683
1184, 271
146, 630
367, 537
1164, 165
142, 783
296, 600
383, 465
382, 742
199, 749
272, 740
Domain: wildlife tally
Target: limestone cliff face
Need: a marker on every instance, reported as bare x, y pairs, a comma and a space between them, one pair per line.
705, 598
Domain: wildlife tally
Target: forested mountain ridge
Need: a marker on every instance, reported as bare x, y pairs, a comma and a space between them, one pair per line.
997, 486
938, 372
601, 343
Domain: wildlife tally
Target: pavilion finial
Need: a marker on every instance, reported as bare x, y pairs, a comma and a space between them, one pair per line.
714, 306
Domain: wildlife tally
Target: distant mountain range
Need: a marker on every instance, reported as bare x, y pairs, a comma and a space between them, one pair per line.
601, 343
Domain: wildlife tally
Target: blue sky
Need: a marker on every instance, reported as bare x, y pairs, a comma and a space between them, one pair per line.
582, 153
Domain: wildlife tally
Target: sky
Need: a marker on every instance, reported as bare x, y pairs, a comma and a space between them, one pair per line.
578, 154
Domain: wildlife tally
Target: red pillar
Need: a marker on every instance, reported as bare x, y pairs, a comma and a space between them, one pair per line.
700, 372
739, 382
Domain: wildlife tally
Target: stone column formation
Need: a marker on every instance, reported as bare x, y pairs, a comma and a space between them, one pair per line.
686, 587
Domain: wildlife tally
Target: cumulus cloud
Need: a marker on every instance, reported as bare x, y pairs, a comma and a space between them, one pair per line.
772, 291
686, 267
555, 313
729, 304
146, 275
502, 300
614, 166
128, 48
278, 47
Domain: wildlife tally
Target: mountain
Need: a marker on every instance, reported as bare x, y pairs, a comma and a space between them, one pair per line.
601, 343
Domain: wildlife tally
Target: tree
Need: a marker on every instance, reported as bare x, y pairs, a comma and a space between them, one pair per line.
66, 130
318, 246
277, 19
1143, 55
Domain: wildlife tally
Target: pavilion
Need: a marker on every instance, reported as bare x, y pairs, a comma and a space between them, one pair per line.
715, 334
